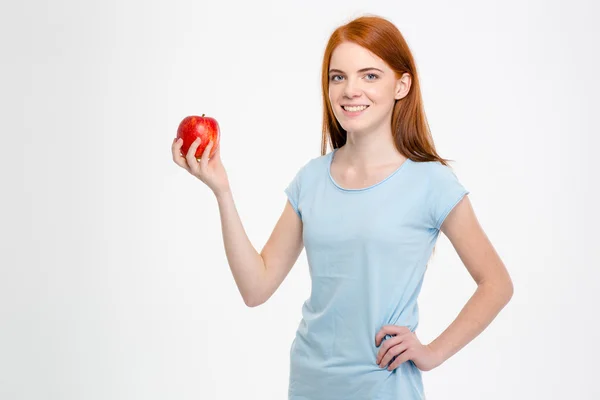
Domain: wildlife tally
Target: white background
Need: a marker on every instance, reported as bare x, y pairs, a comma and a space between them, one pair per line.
113, 277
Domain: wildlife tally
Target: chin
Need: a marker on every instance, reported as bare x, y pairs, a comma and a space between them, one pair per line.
354, 126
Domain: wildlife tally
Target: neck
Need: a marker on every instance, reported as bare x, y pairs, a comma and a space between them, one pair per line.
372, 149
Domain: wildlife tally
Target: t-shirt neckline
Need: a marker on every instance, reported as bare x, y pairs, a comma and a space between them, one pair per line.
331, 155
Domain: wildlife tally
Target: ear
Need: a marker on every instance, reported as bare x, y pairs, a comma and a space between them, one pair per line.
402, 86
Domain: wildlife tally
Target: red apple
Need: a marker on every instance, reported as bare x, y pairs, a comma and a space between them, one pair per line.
205, 128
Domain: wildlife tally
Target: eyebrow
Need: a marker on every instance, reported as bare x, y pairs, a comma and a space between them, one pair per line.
360, 70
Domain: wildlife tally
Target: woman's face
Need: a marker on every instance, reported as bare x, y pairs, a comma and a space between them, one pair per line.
360, 79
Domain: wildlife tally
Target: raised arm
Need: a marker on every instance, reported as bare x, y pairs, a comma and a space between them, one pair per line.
257, 276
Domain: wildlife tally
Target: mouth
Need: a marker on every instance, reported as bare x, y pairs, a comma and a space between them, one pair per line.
354, 110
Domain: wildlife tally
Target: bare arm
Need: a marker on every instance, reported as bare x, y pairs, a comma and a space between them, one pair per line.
259, 275
494, 285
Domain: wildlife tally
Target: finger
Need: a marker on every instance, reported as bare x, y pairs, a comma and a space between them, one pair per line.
385, 346
205, 154
218, 151
404, 357
191, 155
393, 352
177, 143
176, 147
193, 147
177, 157
391, 330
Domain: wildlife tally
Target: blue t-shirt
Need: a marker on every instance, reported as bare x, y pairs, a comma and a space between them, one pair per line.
367, 251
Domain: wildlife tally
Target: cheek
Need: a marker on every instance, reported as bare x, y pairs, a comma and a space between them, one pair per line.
376, 94
333, 99
333, 93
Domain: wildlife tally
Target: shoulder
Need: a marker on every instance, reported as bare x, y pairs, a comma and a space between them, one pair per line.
319, 161
314, 166
441, 190
433, 171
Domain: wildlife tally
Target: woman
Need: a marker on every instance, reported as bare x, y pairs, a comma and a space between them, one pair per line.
369, 214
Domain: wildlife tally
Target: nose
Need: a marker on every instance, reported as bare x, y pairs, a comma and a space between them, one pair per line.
351, 89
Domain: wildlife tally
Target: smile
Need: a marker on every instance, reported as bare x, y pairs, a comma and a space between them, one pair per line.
353, 110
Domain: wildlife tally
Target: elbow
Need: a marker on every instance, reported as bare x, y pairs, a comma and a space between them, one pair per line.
252, 302
258, 292
510, 290
506, 291
501, 289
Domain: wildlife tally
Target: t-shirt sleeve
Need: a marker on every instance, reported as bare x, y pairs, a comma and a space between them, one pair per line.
445, 192
293, 192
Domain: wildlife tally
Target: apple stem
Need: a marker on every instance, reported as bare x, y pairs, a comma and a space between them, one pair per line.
203, 115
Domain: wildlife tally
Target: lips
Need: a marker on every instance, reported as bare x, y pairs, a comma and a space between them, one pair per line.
353, 113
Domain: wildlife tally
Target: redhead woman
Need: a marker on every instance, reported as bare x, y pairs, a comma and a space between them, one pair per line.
368, 213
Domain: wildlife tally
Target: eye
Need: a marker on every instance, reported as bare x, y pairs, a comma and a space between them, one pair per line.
333, 77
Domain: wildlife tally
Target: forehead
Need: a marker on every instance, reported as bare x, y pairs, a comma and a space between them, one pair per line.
351, 57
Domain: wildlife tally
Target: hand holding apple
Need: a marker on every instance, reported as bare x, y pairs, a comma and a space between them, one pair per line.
210, 171
193, 127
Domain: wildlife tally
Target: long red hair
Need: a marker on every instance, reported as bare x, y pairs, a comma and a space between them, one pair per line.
410, 129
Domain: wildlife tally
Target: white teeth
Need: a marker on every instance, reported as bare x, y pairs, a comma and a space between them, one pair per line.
354, 108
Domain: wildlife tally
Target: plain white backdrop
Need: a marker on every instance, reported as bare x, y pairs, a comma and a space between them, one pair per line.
113, 277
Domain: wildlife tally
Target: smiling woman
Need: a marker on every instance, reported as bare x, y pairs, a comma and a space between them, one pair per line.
368, 214
371, 212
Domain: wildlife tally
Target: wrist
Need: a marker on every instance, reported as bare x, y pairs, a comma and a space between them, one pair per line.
438, 352
223, 194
